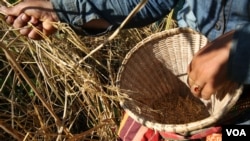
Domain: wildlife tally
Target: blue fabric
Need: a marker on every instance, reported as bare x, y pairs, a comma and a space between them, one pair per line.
78, 12
239, 60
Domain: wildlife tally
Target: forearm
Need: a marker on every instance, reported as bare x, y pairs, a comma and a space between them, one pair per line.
112, 12
239, 60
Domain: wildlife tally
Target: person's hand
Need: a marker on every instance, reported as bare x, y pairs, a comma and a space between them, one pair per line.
30, 16
208, 70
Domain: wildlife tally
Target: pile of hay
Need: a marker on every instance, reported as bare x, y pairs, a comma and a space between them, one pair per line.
48, 93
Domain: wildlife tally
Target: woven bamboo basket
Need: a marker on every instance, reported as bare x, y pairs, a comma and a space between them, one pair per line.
152, 84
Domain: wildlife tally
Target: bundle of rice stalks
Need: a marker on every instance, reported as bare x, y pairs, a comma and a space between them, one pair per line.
47, 92
45, 95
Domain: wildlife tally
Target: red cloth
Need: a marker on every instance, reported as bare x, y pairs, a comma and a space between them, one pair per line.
130, 130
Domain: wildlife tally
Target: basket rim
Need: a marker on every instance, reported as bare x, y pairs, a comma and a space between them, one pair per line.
176, 128
156, 36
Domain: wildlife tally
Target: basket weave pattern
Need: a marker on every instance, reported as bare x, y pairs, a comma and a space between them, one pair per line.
154, 72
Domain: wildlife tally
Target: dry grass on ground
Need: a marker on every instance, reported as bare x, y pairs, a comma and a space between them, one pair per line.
47, 92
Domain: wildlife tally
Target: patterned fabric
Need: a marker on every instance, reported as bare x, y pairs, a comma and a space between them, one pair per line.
214, 137
130, 130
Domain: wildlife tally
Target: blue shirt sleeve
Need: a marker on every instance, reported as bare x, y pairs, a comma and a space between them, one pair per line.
78, 12
239, 59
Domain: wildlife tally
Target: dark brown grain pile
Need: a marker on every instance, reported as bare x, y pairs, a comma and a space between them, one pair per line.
180, 110
172, 109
